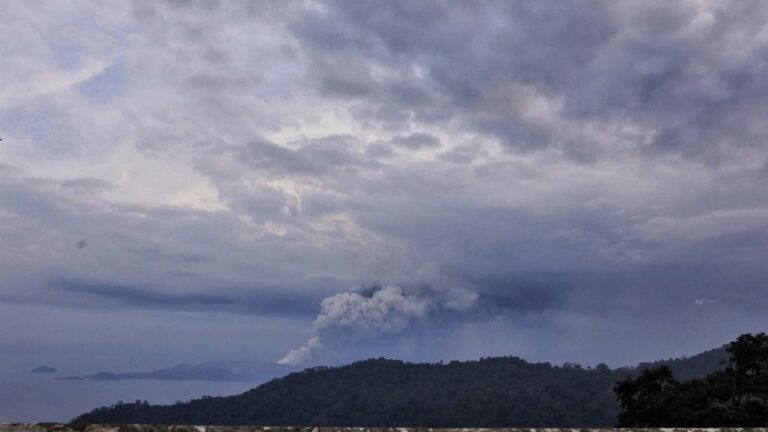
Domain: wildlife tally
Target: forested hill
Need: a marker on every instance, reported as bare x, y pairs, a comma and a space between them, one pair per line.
688, 368
492, 392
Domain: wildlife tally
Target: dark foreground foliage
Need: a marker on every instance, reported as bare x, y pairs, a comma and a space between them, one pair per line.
736, 395
491, 392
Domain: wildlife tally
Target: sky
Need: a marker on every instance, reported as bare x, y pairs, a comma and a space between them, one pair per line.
318, 182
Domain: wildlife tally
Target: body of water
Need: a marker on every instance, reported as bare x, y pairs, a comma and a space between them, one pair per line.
29, 397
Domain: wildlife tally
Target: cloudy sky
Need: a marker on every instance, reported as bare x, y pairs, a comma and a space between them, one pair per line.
317, 182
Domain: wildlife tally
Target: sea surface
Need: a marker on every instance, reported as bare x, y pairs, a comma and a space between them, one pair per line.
30, 397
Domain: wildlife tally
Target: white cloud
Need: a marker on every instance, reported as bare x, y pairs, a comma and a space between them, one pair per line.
703, 301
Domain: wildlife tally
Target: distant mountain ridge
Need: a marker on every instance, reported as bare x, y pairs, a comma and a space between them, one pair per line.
687, 368
490, 392
233, 371
43, 369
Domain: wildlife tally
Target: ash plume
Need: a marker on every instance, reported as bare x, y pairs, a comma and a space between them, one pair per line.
374, 312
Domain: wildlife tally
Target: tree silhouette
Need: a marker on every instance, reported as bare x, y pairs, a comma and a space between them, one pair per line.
736, 395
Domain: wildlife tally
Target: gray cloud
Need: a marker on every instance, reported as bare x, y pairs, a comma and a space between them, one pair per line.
416, 140
575, 168
241, 299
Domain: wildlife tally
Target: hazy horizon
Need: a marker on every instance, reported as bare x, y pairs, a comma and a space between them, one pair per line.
27, 396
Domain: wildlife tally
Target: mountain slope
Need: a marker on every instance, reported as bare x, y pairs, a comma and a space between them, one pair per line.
688, 368
491, 392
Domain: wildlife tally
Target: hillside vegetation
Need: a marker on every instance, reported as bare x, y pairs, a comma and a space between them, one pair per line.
490, 392
734, 395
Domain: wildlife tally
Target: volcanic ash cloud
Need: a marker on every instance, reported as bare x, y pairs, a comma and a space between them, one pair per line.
386, 310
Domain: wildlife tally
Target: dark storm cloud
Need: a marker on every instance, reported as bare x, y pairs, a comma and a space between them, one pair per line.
271, 300
541, 292
263, 154
692, 79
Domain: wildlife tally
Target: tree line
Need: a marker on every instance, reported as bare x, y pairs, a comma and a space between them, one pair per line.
490, 392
